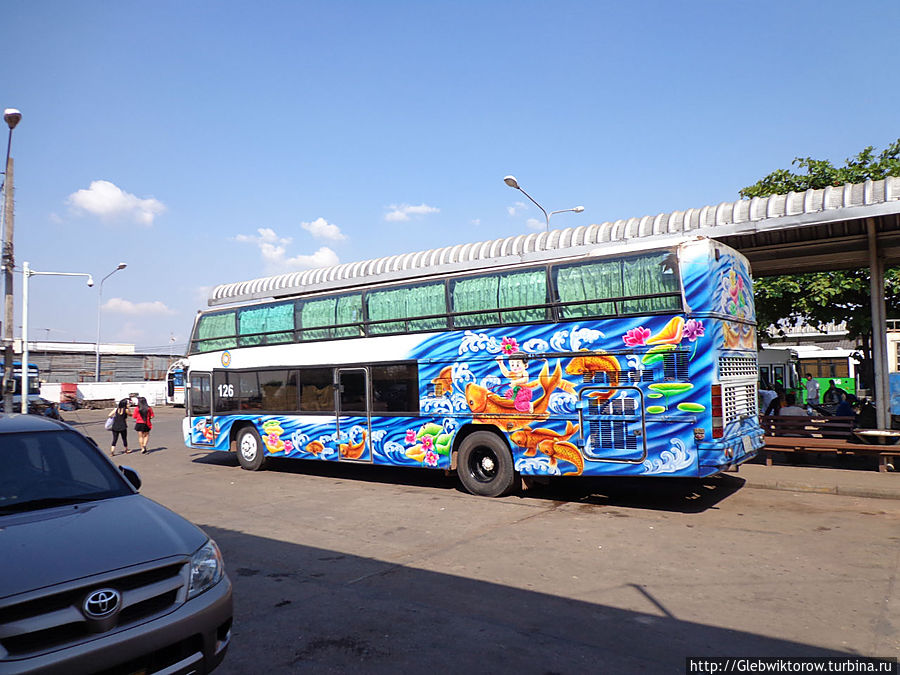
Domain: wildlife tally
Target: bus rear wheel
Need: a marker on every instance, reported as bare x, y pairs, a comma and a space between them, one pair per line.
485, 465
250, 451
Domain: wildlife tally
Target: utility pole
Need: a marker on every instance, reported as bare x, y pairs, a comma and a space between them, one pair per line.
12, 117
8, 265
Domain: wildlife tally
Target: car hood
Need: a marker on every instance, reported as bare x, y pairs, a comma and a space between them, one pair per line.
51, 546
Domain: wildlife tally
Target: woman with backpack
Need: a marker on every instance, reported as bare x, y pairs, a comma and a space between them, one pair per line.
142, 424
119, 426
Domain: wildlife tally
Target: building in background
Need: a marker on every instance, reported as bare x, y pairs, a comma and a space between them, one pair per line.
76, 362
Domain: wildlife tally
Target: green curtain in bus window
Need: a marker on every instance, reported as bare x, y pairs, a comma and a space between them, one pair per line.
524, 289
427, 300
404, 303
215, 331
316, 313
646, 275
258, 325
588, 281
386, 304
469, 295
349, 311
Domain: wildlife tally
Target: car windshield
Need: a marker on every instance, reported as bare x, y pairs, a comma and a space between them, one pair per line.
52, 468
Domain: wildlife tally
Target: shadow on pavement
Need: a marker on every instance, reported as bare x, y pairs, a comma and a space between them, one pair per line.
683, 495
304, 609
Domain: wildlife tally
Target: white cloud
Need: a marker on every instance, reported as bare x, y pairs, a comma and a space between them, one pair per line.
122, 306
476, 221
322, 229
274, 252
516, 208
535, 224
109, 201
402, 212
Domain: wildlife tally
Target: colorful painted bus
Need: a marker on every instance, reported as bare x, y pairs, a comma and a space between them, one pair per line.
498, 360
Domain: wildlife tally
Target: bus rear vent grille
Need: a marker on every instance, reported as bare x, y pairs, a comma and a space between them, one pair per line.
675, 365
737, 366
738, 401
612, 433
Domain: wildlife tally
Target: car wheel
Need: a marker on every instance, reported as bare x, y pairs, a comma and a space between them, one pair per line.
485, 465
250, 449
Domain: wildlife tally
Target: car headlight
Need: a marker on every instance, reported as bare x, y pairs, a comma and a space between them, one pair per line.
207, 568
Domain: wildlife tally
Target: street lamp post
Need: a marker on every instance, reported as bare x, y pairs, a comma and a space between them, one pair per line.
513, 183
27, 273
120, 266
12, 117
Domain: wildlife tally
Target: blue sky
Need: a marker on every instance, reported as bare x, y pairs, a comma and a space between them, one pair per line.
210, 142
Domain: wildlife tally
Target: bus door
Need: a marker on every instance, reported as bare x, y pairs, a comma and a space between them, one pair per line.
200, 412
612, 423
353, 430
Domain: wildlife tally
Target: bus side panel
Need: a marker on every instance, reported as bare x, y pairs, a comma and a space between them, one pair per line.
660, 366
395, 441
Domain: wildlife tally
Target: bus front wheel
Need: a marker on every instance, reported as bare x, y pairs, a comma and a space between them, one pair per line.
485, 465
250, 451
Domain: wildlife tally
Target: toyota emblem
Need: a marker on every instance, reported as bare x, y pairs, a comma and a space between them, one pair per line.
103, 603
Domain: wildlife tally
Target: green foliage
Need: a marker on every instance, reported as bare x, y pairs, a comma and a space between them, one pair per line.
819, 173
823, 297
820, 298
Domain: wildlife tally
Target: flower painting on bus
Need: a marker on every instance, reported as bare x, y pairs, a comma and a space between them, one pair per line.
626, 379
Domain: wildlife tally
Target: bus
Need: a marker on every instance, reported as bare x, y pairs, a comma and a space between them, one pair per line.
521, 357
175, 383
34, 384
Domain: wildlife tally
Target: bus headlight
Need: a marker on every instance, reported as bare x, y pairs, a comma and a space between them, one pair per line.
207, 568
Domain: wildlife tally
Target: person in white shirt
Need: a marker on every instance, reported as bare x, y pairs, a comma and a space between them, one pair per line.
812, 390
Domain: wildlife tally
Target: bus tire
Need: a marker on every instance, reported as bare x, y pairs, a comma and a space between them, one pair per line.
250, 449
485, 465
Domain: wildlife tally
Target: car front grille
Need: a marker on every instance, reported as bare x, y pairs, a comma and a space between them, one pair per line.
52, 618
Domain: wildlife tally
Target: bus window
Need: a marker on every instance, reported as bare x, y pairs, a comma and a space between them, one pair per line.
575, 284
408, 302
330, 317
269, 324
279, 390
519, 291
352, 391
316, 390
395, 388
214, 331
199, 395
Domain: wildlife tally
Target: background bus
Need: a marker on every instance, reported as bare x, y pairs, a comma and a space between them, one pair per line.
34, 385
789, 366
175, 383
640, 362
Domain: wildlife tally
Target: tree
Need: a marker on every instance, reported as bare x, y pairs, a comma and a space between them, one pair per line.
839, 296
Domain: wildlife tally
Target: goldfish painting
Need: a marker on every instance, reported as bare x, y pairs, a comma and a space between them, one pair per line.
491, 408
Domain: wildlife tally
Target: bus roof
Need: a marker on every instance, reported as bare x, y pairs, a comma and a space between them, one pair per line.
569, 243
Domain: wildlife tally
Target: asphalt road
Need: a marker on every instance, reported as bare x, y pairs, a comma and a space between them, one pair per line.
341, 568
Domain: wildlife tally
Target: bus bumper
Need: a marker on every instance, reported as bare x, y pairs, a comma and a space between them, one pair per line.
727, 454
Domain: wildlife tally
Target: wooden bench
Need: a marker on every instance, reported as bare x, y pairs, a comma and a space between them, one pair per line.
784, 433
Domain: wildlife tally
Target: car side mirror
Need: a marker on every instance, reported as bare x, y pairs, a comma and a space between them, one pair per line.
132, 476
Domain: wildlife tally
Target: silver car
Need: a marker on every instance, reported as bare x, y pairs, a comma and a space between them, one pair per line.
95, 578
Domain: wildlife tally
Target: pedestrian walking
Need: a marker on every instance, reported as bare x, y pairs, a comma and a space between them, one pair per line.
143, 413
812, 390
119, 426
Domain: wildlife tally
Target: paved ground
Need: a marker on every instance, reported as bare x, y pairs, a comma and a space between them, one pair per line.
345, 568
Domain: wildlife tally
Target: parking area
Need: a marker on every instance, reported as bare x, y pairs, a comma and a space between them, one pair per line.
343, 567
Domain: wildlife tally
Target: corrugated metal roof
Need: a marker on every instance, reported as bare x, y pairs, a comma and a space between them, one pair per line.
728, 219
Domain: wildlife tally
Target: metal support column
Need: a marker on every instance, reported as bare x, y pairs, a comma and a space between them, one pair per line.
879, 329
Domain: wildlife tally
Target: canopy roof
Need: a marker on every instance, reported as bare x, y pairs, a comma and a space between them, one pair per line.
799, 231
